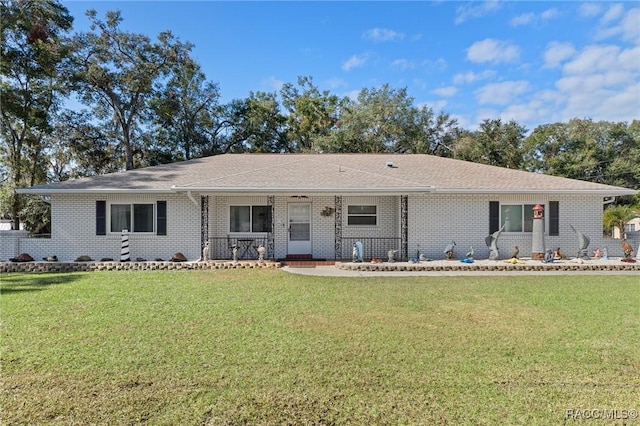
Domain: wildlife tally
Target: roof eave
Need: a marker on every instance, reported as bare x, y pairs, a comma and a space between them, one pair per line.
602, 192
315, 191
51, 191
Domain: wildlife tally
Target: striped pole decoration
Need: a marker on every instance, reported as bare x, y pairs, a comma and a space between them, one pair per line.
124, 248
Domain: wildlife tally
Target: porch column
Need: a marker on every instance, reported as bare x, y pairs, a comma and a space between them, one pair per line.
338, 227
270, 243
404, 226
204, 221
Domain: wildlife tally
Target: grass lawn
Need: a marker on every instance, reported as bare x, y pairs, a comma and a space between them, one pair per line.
266, 347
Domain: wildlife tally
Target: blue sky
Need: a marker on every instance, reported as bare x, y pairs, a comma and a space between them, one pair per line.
535, 62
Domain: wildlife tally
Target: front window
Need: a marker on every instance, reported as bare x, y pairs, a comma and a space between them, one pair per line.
362, 215
132, 217
250, 219
517, 217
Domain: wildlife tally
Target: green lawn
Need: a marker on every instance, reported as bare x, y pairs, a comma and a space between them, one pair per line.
266, 347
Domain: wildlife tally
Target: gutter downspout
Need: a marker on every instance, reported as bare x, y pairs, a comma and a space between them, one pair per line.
193, 200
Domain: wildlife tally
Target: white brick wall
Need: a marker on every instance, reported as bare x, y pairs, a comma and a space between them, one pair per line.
433, 221
73, 227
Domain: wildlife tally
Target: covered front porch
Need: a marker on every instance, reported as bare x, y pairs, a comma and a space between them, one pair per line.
304, 227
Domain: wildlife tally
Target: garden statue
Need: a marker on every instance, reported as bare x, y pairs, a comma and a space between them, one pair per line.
357, 252
391, 254
605, 253
583, 243
261, 251
548, 257
205, 252
448, 250
558, 255
470, 253
597, 253
492, 243
234, 250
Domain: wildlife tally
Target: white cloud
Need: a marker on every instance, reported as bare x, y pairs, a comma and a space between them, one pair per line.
556, 53
589, 10
550, 13
603, 58
402, 65
382, 34
354, 61
273, 83
473, 10
495, 51
524, 19
446, 92
501, 93
472, 77
612, 14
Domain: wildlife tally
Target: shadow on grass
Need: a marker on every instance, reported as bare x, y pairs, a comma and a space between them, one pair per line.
33, 282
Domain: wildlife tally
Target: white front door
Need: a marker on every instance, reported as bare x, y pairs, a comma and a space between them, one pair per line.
299, 228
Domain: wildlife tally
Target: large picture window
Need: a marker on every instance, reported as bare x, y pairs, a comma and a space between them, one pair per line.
362, 215
132, 217
250, 219
516, 217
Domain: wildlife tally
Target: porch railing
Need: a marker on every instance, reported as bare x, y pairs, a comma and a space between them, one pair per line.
372, 247
221, 248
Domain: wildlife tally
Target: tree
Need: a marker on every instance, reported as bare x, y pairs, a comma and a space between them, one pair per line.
116, 72
257, 125
312, 114
34, 51
617, 217
602, 152
188, 121
494, 143
379, 120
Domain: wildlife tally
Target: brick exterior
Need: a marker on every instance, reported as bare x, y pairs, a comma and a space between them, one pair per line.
433, 221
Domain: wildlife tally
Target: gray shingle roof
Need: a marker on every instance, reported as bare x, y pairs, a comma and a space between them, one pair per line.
326, 173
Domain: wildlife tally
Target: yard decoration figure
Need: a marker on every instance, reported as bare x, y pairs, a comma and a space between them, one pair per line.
597, 253
357, 252
583, 243
448, 250
391, 254
124, 247
558, 255
492, 243
205, 252
234, 251
261, 251
627, 249
605, 253
470, 253
548, 257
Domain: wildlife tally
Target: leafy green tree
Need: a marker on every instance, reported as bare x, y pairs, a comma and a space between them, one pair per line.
494, 143
257, 125
188, 120
311, 114
617, 217
32, 86
116, 72
379, 120
602, 152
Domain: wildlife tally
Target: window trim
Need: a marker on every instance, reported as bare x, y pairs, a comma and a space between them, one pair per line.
545, 205
348, 215
154, 220
251, 231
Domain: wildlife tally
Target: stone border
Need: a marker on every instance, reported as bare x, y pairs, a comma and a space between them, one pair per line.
494, 266
6, 267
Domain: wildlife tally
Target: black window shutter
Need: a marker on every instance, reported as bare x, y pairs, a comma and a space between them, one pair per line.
161, 215
101, 218
554, 218
494, 216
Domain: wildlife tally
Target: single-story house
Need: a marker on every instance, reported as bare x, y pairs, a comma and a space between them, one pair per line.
315, 206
